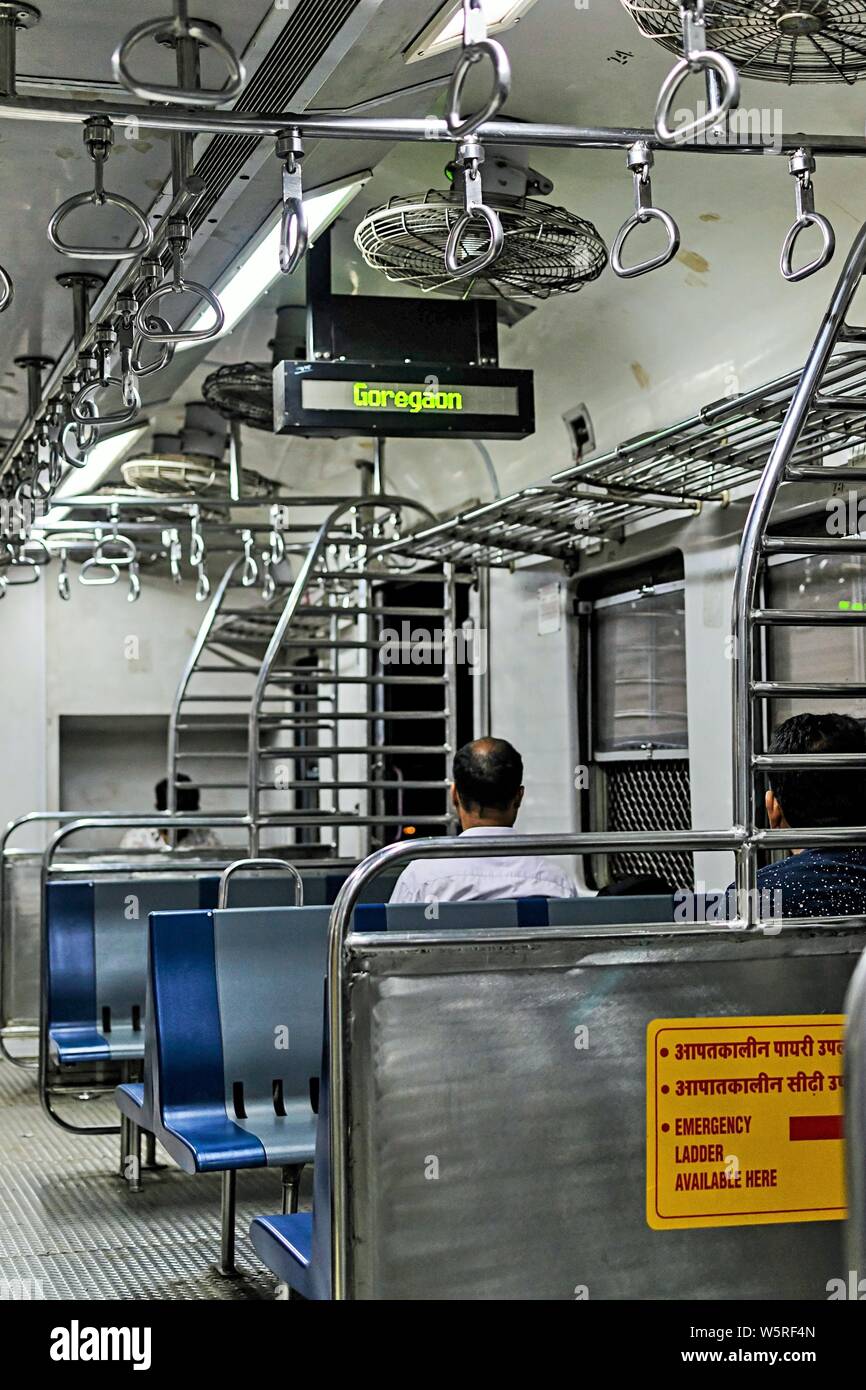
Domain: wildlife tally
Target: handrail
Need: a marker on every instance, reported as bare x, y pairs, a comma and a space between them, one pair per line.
74, 827
31, 818
239, 864
292, 603
748, 564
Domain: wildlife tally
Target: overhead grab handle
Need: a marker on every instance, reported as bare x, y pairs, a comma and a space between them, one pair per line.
294, 231
470, 157
476, 47
151, 274
250, 570
696, 58
64, 588
802, 166
179, 27
179, 235
640, 162
98, 138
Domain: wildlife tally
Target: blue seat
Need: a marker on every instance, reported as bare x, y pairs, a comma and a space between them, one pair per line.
96, 963
504, 912
237, 1029
296, 1247
588, 911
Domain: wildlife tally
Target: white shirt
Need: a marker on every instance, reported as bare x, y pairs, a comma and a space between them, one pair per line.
467, 879
149, 837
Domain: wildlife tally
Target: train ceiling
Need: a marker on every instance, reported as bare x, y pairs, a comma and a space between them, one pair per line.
588, 66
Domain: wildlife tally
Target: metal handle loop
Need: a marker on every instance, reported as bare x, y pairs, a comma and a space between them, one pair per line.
189, 335
64, 588
64, 447
202, 588
825, 255
250, 572
294, 229
101, 253
473, 265
644, 267
294, 218
7, 289
94, 564
127, 546
476, 47
728, 101
116, 417
696, 58
269, 586
134, 593
207, 36
802, 166
196, 544
31, 578
161, 325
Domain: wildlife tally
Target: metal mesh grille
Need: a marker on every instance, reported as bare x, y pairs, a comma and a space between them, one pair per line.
547, 250
649, 796
777, 40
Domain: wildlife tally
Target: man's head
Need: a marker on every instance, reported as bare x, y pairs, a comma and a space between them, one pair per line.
188, 796
488, 783
831, 796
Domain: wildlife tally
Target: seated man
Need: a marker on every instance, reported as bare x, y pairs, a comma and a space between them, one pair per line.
487, 793
154, 838
827, 882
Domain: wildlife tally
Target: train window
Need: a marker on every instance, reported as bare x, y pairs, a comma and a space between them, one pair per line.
637, 731
834, 582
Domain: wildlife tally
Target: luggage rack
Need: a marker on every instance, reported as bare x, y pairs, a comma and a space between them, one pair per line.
680, 468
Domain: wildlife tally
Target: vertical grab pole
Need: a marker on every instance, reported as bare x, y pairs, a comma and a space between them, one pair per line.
748, 565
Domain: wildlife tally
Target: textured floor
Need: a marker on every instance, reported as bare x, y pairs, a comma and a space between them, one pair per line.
70, 1229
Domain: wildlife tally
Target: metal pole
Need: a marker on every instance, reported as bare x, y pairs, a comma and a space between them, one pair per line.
748, 563
236, 463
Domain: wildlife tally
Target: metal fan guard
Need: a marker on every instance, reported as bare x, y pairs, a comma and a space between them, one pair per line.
547, 250
188, 474
242, 391
776, 40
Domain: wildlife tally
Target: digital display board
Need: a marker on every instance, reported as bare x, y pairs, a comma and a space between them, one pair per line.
420, 400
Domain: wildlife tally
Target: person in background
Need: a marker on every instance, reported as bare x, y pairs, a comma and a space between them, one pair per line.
188, 803
822, 882
487, 791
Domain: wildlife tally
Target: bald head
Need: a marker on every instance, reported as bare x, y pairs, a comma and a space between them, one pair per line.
488, 778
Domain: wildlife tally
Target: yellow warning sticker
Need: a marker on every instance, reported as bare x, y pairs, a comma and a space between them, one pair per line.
744, 1121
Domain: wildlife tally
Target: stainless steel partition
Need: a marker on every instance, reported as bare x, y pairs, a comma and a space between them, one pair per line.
490, 1159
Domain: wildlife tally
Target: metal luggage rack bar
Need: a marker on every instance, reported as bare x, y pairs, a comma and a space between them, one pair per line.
699, 460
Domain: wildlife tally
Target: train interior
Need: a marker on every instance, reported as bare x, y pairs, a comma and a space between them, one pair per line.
404, 374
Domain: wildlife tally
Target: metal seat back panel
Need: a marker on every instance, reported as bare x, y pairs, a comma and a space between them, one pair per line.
270, 963
70, 956
120, 917
467, 1057
609, 912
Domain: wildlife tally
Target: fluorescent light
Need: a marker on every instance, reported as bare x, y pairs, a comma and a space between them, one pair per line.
259, 266
101, 459
445, 30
